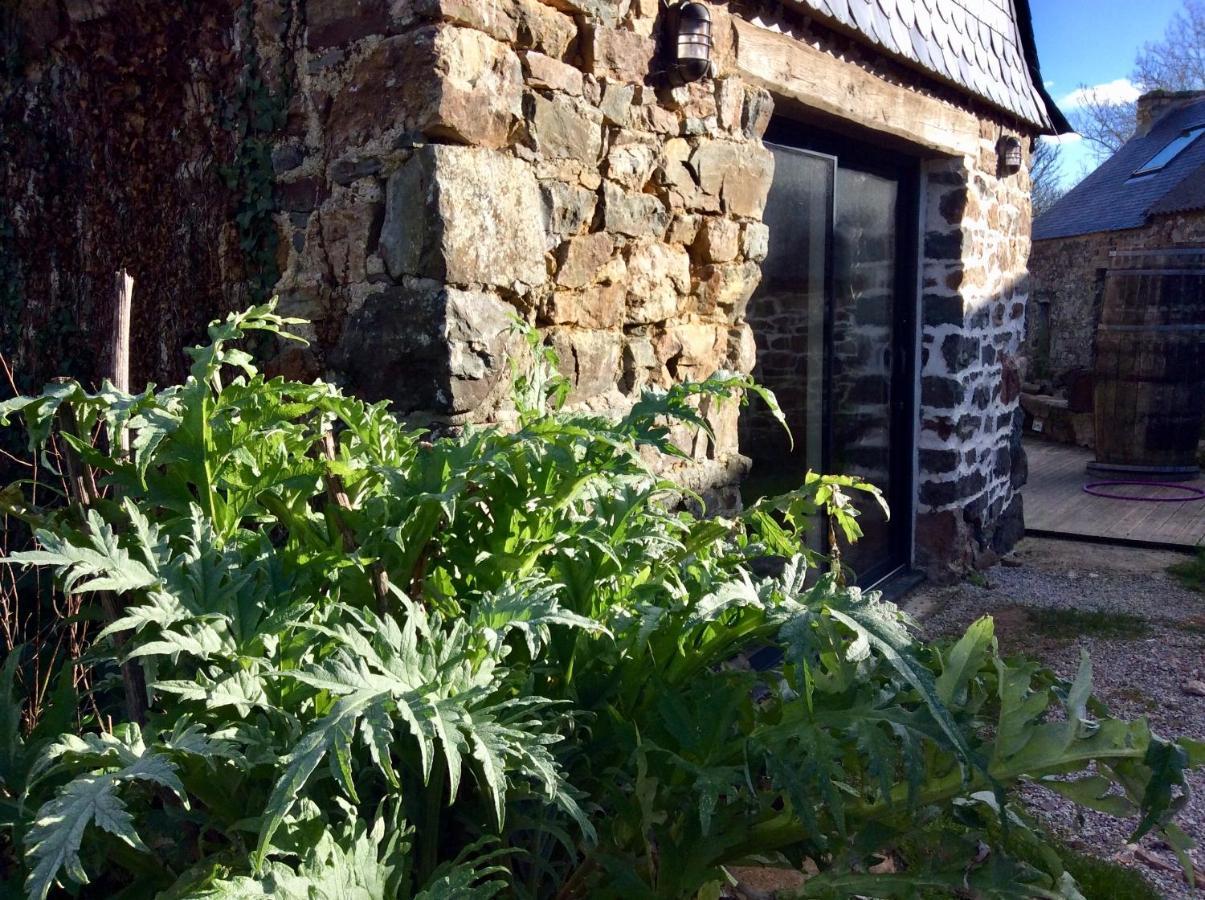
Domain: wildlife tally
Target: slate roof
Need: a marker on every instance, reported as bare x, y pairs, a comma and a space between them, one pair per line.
1110, 199
1188, 196
985, 47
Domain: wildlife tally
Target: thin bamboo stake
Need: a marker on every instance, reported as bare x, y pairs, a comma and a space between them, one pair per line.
122, 313
133, 678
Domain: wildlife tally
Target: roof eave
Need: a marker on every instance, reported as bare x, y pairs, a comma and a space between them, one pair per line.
1058, 121
1054, 122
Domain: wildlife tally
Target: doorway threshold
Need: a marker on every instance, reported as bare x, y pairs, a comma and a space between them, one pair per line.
894, 586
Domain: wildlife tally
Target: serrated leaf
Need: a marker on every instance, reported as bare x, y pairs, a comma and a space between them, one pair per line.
92, 562
964, 659
242, 690
54, 840
1092, 792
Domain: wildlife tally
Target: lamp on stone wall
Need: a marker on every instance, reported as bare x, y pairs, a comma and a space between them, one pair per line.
1011, 158
690, 43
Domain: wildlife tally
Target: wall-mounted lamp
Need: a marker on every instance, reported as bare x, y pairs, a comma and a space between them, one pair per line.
690, 43
1011, 158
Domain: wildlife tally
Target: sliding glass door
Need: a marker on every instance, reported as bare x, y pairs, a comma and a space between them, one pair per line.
835, 329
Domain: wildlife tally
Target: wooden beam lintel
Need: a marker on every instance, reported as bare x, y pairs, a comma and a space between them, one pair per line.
792, 69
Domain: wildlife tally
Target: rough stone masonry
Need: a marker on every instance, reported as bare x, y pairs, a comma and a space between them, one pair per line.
443, 166
528, 165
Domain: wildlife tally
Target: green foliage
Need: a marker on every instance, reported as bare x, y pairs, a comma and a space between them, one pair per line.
254, 117
1084, 876
1071, 623
1099, 879
522, 643
1191, 573
111, 762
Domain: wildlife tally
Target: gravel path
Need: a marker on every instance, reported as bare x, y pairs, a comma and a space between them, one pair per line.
1139, 677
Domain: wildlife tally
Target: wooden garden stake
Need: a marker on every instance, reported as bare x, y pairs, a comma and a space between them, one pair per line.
120, 375
132, 677
131, 672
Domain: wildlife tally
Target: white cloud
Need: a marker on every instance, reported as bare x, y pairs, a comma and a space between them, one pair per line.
1071, 138
1120, 91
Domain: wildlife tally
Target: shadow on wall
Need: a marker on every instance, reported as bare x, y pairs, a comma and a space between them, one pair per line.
430, 349
971, 460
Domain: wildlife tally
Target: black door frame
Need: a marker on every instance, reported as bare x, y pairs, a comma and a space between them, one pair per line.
905, 348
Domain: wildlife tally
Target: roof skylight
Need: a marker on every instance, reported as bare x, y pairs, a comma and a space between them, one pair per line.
1173, 149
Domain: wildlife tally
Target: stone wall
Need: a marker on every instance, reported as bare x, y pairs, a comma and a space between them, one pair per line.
1068, 286
975, 229
411, 175
465, 162
118, 147
974, 294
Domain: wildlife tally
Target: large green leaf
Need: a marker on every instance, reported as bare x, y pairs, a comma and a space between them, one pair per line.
522, 633
90, 800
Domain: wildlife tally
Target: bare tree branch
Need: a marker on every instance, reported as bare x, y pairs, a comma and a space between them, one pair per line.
1045, 174
1176, 62
1105, 125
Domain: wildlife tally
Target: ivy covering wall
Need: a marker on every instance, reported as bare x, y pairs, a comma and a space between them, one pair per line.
137, 135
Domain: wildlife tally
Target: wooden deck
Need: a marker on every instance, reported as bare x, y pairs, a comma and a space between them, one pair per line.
1055, 502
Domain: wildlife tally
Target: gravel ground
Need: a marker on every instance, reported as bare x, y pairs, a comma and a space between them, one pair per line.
1141, 677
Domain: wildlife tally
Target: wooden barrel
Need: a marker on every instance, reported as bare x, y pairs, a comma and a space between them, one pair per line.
1150, 364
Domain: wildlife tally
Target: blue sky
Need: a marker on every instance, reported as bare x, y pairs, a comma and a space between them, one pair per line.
1093, 43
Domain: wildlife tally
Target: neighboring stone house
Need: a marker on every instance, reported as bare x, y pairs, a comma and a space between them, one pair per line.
1150, 194
842, 208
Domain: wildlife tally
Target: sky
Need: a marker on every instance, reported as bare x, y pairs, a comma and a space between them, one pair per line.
1093, 43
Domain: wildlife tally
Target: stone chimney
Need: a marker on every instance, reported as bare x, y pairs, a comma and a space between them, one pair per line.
1154, 105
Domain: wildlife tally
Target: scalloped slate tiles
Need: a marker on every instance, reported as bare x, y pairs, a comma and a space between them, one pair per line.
973, 43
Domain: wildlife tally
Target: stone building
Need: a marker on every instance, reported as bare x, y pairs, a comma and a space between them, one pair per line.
841, 207
1150, 194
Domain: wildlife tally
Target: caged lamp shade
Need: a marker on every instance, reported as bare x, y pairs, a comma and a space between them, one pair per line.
690, 43
1011, 157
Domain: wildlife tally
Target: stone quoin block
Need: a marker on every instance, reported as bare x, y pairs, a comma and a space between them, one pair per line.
718, 241
525, 24
960, 351
939, 462
440, 81
600, 306
631, 161
466, 216
544, 72
618, 55
566, 208
581, 258
498, 19
944, 245
937, 494
740, 174
658, 277
331, 23
591, 360
428, 347
755, 241
942, 393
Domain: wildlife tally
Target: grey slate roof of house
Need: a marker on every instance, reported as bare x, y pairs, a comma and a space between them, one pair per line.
1111, 199
985, 47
